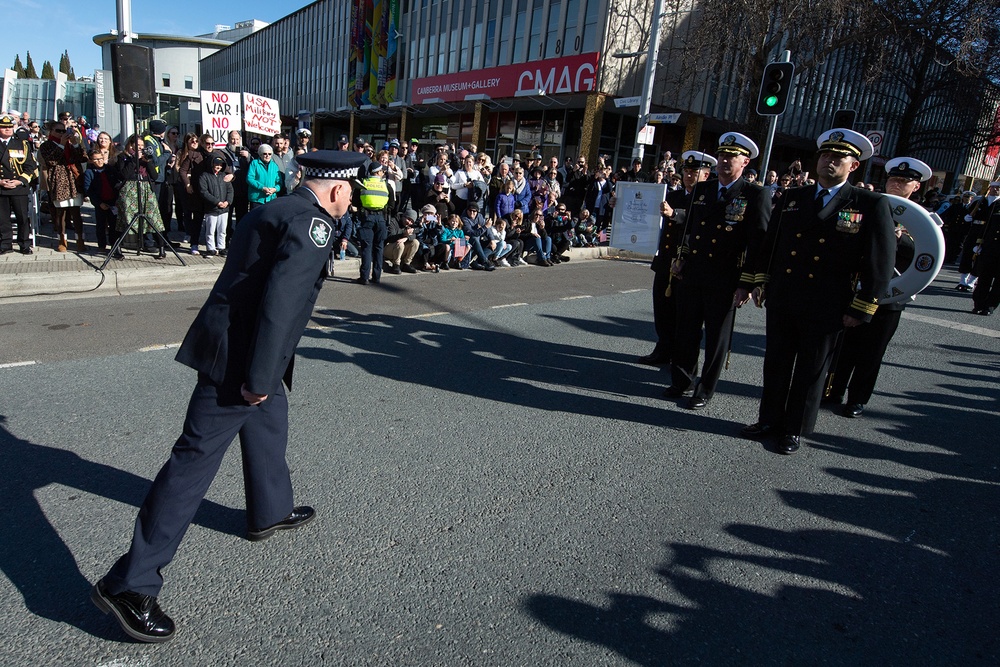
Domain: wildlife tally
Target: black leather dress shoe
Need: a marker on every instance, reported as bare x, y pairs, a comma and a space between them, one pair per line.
677, 392
697, 403
853, 409
986, 311
26, 250
139, 615
299, 517
789, 444
653, 359
361, 281
757, 431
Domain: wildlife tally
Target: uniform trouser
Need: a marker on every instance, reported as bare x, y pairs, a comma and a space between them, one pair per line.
967, 258
214, 416
861, 356
664, 315
698, 305
987, 292
796, 360
165, 203
372, 250
18, 205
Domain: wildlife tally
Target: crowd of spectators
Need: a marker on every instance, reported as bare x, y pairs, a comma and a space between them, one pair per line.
452, 207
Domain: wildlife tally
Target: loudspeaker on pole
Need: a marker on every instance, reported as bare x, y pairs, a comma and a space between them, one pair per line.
132, 71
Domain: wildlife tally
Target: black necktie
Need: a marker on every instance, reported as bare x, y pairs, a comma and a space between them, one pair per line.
820, 196
722, 193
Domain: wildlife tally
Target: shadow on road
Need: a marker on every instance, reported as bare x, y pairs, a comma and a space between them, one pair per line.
32, 554
908, 579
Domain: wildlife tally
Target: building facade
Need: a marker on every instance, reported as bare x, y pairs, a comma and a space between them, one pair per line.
513, 75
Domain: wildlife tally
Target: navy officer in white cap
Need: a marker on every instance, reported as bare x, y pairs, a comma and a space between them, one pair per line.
985, 243
696, 167
726, 222
242, 344
823, 241
863, 347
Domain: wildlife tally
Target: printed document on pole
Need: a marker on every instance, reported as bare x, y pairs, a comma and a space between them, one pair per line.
635, 223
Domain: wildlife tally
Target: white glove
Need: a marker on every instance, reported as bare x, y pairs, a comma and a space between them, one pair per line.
968, 218
977, 249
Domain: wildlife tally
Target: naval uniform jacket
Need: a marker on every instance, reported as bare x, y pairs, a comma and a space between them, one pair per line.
985, 232
17, 161
248, 328
723, 233
812, 260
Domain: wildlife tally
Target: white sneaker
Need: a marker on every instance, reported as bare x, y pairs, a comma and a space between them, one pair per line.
504, 262
194, 250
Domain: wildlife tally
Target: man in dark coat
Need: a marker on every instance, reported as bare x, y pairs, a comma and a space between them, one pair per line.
242, 344
673, 214
727, 220
985, 243
823, 241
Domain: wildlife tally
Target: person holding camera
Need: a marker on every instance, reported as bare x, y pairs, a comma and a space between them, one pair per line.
468, 185
59, 160
433, 254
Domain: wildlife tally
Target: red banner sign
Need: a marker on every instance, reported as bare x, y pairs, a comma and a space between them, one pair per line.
993, 147
572, 74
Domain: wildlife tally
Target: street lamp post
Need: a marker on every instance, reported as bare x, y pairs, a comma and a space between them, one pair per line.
652, 53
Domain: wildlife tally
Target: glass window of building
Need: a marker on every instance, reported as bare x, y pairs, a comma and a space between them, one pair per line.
166, 80
188, 83
553, 44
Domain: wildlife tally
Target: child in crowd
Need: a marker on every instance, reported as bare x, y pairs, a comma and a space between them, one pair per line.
505, 200
218, 194
100, 184
454, 238
496, 246
585, 227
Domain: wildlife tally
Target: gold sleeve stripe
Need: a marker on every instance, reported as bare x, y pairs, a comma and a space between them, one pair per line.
864, 306
761, 278
747, 278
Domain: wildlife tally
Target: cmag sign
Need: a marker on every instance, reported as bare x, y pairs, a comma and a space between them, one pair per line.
554, 76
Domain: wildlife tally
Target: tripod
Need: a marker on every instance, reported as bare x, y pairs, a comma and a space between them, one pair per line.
140, 222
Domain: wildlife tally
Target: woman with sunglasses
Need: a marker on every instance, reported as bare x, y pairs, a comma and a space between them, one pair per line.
59, 160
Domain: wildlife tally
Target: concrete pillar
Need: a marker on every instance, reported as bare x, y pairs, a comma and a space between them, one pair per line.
404, 125
354, 126
479, 122
593, 117
692, 132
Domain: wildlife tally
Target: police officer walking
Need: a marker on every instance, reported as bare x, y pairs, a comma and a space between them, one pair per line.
822, 242
242, 344
673, 212
728, 218
371, 222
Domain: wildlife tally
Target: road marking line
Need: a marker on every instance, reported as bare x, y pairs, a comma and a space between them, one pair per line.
631, 291
508, 305
15, 364
571, 298
154, 348
968, 328
423, 315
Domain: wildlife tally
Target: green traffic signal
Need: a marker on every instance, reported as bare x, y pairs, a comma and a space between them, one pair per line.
771, 101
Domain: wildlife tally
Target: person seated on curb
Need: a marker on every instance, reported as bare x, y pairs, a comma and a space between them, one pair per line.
474, 226
453, 236
343, 230
512, 237
433, 254
496, 244
401, 243
541, 243
560, 229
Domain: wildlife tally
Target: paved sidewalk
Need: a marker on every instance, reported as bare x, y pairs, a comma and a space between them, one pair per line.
64, 275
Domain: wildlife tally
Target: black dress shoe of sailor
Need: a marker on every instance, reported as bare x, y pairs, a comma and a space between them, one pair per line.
697, 403
757, 431
654, 358
299, 517
853, 409
677, 392
139, 615
789, 444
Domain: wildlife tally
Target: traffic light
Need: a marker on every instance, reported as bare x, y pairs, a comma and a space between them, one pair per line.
775, 87
845, 118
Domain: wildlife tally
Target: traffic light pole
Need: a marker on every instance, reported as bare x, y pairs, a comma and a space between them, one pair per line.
772, 124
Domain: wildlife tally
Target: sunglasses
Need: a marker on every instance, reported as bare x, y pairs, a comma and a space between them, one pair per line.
58, 131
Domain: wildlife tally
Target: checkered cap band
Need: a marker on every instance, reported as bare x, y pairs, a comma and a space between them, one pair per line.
324, 172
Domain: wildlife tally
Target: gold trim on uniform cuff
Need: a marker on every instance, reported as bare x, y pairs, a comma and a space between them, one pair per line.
866, 307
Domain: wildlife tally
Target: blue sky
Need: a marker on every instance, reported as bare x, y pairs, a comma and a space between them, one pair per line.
48, 27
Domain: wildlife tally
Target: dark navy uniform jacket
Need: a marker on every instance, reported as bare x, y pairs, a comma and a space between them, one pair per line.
248, 328
722, 234
813, 259
17, 161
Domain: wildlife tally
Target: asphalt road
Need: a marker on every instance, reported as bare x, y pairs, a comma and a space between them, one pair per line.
498, 484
